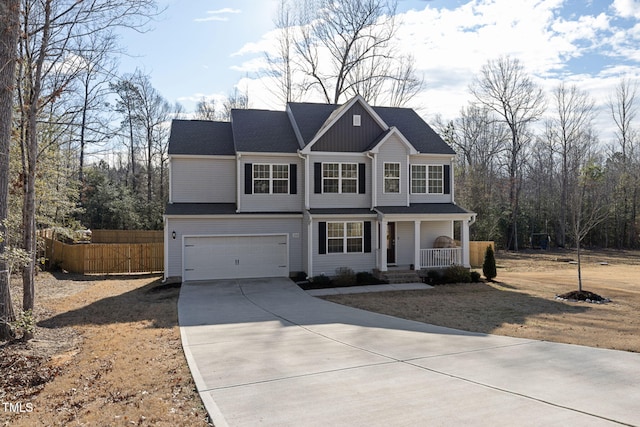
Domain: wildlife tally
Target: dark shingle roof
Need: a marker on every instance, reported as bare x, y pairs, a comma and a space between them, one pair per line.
424, 208
263, 131
272, 131
311, 117
341, 211
201, 137
416, 130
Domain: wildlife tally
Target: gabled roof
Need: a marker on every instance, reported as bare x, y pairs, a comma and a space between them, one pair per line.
263, 131
339, 111
201, 137
415, 130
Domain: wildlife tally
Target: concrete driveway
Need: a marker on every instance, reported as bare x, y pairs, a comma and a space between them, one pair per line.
264, 352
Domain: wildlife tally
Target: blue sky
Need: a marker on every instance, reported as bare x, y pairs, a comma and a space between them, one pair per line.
203, 48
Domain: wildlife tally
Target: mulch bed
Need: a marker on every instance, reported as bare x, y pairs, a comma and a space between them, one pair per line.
586, 296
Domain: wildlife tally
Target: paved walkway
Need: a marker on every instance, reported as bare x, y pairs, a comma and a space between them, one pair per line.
264, 352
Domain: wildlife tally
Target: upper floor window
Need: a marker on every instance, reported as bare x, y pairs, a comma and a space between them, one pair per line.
392, 177
339, 177
270, 179
427, 179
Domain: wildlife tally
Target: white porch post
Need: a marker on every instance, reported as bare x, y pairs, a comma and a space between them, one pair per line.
465, 243
383, 245
416, 245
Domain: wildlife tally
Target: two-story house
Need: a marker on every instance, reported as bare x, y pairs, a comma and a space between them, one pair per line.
310, 189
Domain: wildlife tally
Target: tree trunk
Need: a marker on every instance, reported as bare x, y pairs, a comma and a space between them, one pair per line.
9, 30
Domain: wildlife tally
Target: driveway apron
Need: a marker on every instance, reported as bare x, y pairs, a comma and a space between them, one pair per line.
264, 352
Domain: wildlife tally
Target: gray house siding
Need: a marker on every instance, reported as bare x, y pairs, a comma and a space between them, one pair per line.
431, 230
203, 180
432, 198
232, 226
336, 200
345, 137
392, 151
328, 263
272, 202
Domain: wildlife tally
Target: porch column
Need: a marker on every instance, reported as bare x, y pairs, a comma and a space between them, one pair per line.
464, 232
416, 245
383, 245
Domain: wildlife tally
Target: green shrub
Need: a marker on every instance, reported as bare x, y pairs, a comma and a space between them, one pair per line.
475, 277
457, 274
434, 277
320, 281
344, 277
489, 265
366, 278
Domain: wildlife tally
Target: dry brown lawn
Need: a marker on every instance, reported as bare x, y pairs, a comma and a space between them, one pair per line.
108, 352
521, 303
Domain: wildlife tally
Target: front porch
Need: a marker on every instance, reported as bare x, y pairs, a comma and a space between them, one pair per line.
409, 245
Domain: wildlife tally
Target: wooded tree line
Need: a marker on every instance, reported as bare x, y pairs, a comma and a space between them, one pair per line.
533, 164
85, 146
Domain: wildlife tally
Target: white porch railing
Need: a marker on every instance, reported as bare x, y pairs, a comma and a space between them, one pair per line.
440, 257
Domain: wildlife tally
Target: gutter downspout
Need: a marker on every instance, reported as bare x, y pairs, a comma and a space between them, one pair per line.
374, 186
238, 181
306, 179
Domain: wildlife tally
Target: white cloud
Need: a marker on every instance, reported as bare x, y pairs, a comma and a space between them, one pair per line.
218, 15
627, 8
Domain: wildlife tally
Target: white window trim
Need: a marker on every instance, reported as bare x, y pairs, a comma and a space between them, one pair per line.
339, 178
441, 179
345, 237
384, 178
271, 179
426, 187
426, 179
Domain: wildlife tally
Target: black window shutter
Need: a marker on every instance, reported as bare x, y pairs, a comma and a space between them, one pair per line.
362, 178
322, 237
248, 178
447, 179
317, 178
367, 236
293, 178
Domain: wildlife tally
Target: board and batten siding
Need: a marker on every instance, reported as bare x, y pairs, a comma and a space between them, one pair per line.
328, 263
203, 180
333, 200
432, 160
232, 226
272, 202
343, 136
392, 151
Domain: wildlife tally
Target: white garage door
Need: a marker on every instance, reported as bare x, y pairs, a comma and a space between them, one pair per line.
227, 257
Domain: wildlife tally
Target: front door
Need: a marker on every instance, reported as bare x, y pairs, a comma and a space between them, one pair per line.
391, 243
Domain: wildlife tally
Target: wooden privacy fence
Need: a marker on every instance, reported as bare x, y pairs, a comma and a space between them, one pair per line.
477, 250
127, 236
106, 258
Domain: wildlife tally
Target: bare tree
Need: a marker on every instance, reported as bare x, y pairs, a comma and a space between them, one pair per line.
49, 27
340, 49
504, 88
235, 101
206, 110
624, 109
588, 208
569, 129
9, 30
